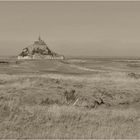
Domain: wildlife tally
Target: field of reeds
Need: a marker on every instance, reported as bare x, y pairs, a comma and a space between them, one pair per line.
71, 99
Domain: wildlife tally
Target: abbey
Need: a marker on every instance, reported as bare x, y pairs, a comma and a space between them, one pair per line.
39, 50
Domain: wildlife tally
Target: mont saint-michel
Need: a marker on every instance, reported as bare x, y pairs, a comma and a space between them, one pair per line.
81, 80
39, 50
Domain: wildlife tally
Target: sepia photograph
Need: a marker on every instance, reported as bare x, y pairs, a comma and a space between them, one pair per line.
70, 69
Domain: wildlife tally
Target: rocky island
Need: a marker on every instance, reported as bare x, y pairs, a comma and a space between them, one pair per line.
39, 50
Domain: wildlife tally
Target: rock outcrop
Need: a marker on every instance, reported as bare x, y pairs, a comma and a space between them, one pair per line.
39, 50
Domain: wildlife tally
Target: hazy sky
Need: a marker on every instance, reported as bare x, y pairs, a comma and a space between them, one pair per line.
72, 28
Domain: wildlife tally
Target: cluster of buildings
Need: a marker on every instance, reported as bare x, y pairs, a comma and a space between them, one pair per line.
39, 50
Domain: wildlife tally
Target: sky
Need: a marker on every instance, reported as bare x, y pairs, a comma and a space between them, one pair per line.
72, 28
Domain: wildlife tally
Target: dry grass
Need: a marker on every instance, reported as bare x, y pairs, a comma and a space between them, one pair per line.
69, 122
34, 106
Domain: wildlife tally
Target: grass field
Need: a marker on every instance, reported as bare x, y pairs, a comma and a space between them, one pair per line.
75, 98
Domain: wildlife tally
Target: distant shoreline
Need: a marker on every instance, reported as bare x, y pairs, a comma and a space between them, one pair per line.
129, 58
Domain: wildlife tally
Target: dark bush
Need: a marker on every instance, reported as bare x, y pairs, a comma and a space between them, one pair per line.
48, 101
134, 75
70, 95
4, 62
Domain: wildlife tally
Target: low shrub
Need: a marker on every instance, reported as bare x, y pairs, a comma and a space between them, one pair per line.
70, 96
134, 75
